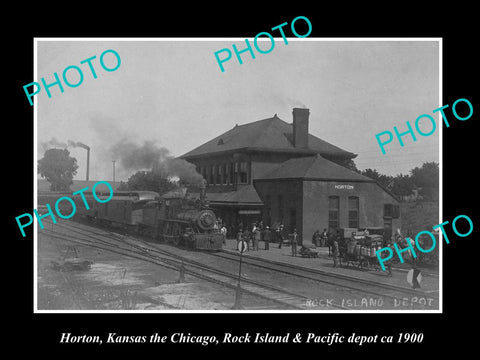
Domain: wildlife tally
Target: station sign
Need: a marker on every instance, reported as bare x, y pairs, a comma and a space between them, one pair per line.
344, 187
242, 246
249, 212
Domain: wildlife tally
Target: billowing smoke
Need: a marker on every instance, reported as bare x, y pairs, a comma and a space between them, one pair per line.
180, 168
290, 102
78, 144
53, 142
150, 156
132, 156
298, 104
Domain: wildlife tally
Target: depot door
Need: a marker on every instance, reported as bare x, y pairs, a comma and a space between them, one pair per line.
387, 225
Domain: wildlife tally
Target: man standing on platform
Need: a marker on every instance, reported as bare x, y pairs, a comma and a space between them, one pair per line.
324, 238
267, 237
335, 252
280, 236
317, 238
257, 235
241, 236
294, 242
223, 231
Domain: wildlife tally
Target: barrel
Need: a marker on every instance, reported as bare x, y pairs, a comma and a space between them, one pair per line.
351, 247
357, 249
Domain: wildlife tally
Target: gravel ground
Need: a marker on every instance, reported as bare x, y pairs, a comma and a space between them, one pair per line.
116, 282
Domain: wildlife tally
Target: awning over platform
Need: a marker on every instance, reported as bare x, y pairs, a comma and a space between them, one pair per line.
244, 196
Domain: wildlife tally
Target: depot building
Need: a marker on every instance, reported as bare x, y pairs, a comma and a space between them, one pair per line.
276, 172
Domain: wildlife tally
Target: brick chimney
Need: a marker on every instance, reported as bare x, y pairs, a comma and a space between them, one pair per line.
300, 127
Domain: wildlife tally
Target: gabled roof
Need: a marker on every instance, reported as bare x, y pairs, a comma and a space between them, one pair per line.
314, 167
272, 134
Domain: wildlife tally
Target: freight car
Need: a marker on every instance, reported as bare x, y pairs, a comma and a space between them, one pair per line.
174, 219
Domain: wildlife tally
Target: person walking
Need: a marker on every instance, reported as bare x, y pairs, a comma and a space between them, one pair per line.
329, 241
316, 238
247, 237
274, 234
293, 242
389, 262
280, 236
239, 236
324, 238
257, 235
223, 231
267, 237
254, 227
335, 252
417, 274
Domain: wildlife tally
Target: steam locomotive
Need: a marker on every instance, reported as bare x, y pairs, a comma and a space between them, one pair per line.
173, 218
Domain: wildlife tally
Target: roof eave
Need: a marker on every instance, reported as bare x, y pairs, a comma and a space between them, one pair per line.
302, 151
314, 179
328, 179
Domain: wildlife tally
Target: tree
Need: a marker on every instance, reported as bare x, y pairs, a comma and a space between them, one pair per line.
148, 180
402, 185
382, 179
123, 186
350, 164
347, 163
426, 179
58, 167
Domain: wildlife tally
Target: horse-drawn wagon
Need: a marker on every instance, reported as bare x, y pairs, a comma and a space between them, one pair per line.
360, 248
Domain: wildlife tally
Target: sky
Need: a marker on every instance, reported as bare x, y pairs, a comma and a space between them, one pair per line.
172, 92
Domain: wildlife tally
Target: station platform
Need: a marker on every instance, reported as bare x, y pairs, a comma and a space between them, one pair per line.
430, 278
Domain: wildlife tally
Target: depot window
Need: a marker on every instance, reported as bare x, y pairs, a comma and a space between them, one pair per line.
212, 175
353, 208
333, 213
280, 208
218, 174
231, 173
391, 210
224, 168
206, 174
243, 173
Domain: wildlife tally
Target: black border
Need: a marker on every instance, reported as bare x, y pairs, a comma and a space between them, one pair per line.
456, 25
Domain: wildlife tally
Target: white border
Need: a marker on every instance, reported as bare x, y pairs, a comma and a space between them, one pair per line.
440, 167
35, 75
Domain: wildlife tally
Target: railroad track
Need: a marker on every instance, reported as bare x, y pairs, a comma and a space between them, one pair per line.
283, 297
367, 287
141, 250
326, 277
